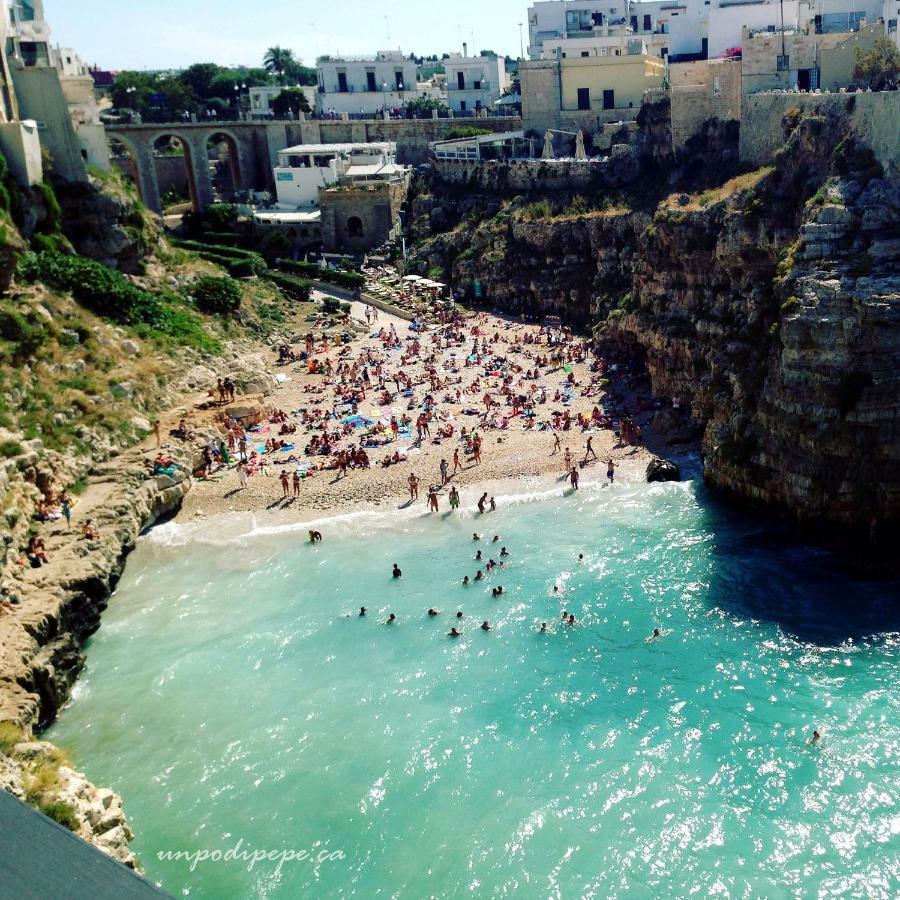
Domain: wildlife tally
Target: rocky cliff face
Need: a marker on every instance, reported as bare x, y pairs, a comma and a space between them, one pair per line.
769, 304
776, 318
573, 265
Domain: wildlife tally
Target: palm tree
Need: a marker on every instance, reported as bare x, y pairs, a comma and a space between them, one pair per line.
279, 59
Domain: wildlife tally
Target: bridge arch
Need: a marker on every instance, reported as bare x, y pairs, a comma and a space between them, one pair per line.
222, 150
169, 145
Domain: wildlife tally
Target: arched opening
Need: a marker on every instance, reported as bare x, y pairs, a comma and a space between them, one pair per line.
174, 175
354, 227
122, 159
224, 166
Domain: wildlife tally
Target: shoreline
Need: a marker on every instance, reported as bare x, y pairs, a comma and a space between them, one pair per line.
61, 603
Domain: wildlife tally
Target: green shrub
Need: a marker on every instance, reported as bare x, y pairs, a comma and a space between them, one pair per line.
9, 449
95, 286
10, 735
25, 333
228, 252
465, 131
350, 280
221, 296
540, 209
294, 288
59, 811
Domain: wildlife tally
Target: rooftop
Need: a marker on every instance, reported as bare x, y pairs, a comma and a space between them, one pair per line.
320, 149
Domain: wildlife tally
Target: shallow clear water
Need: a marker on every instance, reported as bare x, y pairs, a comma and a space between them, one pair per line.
232, 694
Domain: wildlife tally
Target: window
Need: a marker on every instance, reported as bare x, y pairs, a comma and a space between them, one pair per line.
477, 104
370, 82
782, 63
647, 24
609, 99
584, 53
477, 85
398, 80
634, 23
704, 47
462, 105
342, 82
584, 98
663, 52
355, 227
461, 81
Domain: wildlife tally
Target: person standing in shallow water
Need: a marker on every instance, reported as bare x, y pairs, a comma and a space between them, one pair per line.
611, 470
396, 573
573, 477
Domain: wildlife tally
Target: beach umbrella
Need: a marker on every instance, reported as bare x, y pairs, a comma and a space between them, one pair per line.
413, 278
548, 146
579, 146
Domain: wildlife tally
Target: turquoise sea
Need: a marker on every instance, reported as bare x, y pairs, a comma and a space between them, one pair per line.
238, 703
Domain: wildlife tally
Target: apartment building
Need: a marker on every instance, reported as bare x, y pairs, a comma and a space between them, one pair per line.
474, 82
365, 85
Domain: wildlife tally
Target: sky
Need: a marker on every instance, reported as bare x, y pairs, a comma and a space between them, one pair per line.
168, 34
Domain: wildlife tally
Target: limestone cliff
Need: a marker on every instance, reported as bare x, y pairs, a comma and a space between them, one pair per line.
769, 303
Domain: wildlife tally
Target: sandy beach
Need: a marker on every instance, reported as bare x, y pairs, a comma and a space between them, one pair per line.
514, 460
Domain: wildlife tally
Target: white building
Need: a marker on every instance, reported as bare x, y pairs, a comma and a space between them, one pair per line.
555, 20
262, 96
366, 85
303, 169
474, 82
681, 30
53, 88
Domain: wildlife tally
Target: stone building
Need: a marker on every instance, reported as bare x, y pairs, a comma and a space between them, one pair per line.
587, 93
703, 90
357, 217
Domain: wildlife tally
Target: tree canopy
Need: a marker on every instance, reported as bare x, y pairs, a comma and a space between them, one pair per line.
291, 100
879, 67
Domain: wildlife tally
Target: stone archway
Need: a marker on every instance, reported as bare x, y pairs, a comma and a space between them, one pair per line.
123, 159
173, 164
223, 159
355, 227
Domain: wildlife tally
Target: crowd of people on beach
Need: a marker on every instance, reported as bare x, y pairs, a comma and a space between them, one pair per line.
448, 383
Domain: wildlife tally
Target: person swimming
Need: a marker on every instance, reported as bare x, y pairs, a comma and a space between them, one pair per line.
391, 619
478, 556
580, 557
544, 629
459, 615
503, 552
485, 625
657, 634
362, 611
496, 539
397, 573
454, 633
816, 737
433, 612
465, 581
479, 575
572, 620
476, 536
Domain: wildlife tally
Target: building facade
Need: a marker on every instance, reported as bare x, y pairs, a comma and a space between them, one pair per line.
262, 96
303, 170
587, 93
365, 86
474, 82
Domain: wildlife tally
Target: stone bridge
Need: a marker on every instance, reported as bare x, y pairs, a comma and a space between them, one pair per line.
253, 147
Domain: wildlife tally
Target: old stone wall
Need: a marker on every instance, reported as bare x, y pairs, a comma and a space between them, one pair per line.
358, 219
700, 91
874, 118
